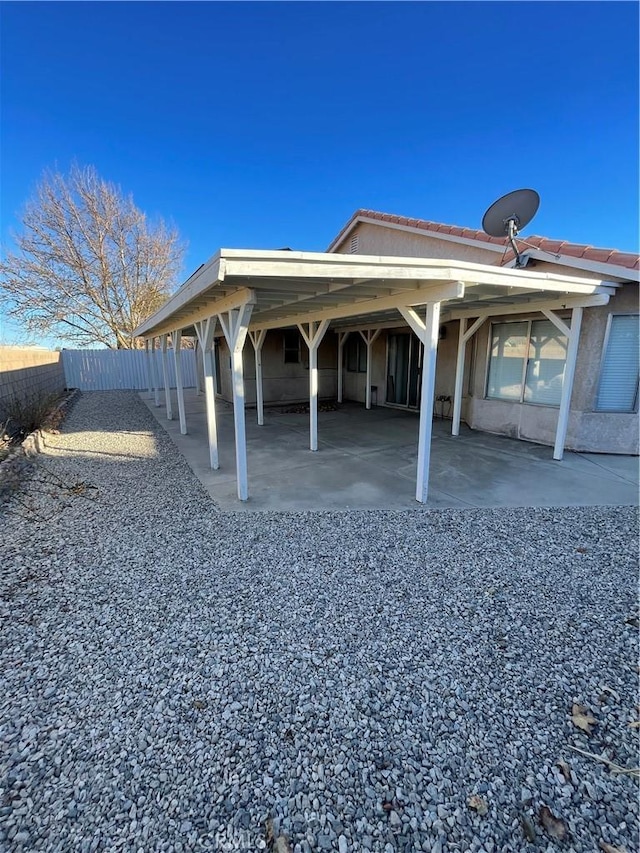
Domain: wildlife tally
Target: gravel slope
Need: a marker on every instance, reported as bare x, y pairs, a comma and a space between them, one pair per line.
172, 677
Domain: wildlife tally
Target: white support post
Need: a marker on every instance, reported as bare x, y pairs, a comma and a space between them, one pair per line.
235, 326
257, 339
463, 336
196, 346
369, 337
342, 339
313, 338
205, 329
155, 374
427, 332
147, 344
176, 340
573, 336
165, 377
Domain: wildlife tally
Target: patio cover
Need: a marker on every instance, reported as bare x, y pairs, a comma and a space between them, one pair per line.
250, 292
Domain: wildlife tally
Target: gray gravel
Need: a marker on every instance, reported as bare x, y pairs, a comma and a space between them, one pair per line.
175, 678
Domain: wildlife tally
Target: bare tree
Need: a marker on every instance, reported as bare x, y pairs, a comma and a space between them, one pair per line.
89, 266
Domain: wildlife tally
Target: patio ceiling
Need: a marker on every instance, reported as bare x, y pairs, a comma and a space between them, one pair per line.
288, 288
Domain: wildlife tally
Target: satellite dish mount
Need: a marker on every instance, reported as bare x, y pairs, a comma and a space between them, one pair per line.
508, 215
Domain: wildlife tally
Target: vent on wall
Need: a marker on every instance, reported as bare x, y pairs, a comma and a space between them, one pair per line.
353, 245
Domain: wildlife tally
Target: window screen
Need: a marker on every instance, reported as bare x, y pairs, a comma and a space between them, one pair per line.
507, 360
618, 389
545, 366
526, 363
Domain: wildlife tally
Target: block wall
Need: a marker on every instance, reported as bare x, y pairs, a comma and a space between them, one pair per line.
28, 372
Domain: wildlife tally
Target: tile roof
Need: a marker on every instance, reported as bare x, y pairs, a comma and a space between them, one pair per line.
556, 247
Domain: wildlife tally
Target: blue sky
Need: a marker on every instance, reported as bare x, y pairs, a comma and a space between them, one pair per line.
262, 125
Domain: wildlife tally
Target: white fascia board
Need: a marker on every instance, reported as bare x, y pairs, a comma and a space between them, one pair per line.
606, 270
203, 278
202, 270
187, 317
248, 263
423, 232
258, 269
322, 265
458, 311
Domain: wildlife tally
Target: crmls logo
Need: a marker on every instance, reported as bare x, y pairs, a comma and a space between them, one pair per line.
241, 841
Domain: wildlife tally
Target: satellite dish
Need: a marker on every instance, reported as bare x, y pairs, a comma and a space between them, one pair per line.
509, 214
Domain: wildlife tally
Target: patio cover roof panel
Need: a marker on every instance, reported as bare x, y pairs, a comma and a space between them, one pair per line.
296, 287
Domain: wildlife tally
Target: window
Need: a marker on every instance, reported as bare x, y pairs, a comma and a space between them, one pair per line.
545, 366
526, 362
291, 346
356, 354
618, 389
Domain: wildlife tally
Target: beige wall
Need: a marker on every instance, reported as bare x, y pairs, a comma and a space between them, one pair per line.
615, 432
588, 430
383, 240
354, 384
27, 372
282, 382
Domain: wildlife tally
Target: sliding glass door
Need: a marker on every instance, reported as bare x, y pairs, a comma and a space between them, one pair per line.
404, 367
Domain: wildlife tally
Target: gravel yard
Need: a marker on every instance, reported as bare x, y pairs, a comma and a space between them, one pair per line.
175, 678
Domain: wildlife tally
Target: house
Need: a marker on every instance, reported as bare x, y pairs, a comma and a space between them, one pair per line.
400, 310
515, 361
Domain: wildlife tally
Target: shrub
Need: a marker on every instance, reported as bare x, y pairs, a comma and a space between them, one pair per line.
5, 440
23, 415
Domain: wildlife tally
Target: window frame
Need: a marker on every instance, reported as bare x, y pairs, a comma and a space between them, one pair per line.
603, 355
523, 379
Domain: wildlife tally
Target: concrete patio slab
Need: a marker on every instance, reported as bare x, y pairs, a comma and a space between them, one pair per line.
367, 460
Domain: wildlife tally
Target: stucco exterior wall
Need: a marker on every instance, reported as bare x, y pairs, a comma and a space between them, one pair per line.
603, 432
354, 385
281, 382
588, 430
446, 363
384, 240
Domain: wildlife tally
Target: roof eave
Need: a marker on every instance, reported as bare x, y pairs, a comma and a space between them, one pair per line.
604, 269
609, 269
